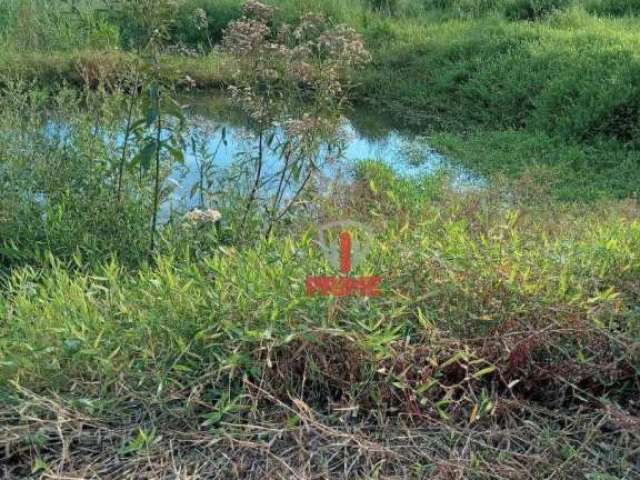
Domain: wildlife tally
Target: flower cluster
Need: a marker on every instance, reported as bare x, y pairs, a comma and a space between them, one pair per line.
258, 10
245, 36
312, 56
203, 216
345, 46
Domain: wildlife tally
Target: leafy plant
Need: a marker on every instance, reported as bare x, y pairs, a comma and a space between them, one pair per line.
533, 9
292, 85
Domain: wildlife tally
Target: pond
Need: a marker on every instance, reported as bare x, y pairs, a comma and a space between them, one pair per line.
219, 153
368, 135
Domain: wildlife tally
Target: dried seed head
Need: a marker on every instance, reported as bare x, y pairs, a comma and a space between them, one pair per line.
257, 10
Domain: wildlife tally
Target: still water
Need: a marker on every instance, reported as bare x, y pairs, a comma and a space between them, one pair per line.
218, 145
367, 134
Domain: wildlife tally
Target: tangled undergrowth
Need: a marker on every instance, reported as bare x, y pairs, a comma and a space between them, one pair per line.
504, 345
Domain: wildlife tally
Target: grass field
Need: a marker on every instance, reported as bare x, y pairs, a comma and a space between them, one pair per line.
505, 342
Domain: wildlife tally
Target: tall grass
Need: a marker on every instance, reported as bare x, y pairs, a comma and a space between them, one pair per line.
59, 177
481, 304
504, 341
51, 25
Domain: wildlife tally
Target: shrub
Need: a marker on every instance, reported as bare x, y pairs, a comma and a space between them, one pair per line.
388, 7
139, 20
462, 8
533, 9
200, 23
291, 84
615, 8
104, 36
59, 196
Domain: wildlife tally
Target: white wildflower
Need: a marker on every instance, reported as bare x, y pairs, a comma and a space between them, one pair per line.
203, 216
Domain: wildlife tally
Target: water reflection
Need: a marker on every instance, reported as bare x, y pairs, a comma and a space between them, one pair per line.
219, 149
217, 139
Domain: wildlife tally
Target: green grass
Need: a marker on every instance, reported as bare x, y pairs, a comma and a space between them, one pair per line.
506, 336
567, 171
570, 77
233, 339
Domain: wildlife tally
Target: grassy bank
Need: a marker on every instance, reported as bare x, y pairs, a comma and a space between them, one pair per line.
505, 340
537, 162
109, 68
559, 70
488, 315
569, 76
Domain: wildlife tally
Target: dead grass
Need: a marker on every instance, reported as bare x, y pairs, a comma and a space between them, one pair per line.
46, 438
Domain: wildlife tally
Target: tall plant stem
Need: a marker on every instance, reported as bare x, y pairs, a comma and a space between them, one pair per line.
279, 191
290, 204
156, 188
256, 183
127, 134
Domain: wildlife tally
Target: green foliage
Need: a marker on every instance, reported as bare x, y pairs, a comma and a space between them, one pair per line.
382, 192
388, 7
57, 182
55, 26
540, 163
496, 302
104, 36
533, 9
463, 8
140, 20
443, 72
616, 8
194, 29
459, 267
514, 75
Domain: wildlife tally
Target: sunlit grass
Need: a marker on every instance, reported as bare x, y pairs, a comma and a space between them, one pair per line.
505, 339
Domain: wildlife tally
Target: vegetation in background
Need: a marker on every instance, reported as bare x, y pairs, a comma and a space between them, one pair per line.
566, 70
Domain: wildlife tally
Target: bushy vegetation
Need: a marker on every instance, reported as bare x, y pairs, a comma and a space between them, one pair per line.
143, 339
513, 75
481, 303
544, 67
615, 8
533, 9
56, 178
569, 171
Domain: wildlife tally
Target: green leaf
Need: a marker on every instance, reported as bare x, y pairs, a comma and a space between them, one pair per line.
176, 153
38, 465
145, 155
485, 371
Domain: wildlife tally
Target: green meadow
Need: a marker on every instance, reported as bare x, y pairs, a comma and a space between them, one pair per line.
146, 338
